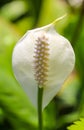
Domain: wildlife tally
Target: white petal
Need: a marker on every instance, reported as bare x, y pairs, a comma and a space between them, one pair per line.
61, 63
22, 61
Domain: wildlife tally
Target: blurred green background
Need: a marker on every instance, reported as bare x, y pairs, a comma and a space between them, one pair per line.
16, 17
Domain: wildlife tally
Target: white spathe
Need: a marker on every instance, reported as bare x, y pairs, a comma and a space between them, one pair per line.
61, 63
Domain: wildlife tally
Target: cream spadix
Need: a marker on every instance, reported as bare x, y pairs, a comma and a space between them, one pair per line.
42, 58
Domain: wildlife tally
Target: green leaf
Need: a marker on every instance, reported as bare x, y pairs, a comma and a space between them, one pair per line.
78, 125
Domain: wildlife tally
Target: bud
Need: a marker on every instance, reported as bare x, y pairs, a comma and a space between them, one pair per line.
42, 58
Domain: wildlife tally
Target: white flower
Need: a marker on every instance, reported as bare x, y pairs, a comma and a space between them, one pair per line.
42, 58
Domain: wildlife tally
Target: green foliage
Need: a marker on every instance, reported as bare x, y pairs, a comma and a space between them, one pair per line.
78, 125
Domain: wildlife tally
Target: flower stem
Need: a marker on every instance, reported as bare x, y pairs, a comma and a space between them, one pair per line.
79, 25
40, 95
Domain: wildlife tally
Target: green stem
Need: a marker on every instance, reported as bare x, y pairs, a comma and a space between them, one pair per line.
79, 24
40, 95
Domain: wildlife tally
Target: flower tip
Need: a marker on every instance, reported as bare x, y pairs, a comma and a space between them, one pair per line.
58, 19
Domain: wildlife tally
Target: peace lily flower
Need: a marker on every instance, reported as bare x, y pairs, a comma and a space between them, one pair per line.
42, 58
